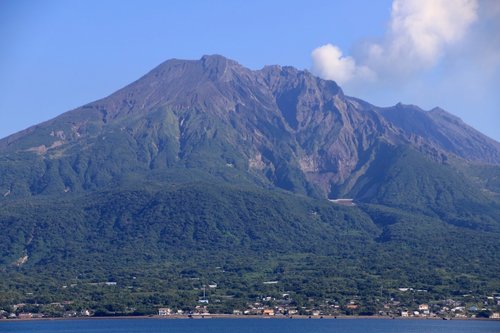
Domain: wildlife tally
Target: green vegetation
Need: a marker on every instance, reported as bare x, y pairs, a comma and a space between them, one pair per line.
162, 244
195, 177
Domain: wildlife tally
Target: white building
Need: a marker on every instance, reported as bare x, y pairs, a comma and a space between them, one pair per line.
164, 311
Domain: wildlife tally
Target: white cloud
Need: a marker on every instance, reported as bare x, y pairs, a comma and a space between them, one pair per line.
329, 63
418, 35
421, 30
434, 52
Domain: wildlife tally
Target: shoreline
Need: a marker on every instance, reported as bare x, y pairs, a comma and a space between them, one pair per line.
232, 316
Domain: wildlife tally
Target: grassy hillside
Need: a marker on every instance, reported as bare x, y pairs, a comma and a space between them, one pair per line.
162, 243
403, 178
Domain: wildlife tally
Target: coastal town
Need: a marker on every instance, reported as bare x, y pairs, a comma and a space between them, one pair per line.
467, 307
463, 307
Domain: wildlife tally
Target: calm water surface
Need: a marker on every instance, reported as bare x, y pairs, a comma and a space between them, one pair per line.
250, 326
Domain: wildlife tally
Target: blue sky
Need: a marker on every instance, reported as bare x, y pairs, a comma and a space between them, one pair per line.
57, 55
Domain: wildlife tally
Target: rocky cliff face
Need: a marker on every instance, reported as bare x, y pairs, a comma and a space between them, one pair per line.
443, 130
277, 126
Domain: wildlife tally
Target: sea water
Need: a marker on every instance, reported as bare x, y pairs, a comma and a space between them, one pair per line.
250, 326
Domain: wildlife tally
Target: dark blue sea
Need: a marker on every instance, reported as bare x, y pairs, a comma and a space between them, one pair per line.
250, 326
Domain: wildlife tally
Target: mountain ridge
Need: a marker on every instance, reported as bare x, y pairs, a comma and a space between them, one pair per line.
204, 171
297, 131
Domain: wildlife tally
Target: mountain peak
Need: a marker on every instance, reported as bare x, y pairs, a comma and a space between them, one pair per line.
275, 101
215, 58
219, 67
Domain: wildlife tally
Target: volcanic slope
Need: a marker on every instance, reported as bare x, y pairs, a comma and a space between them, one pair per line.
204, 164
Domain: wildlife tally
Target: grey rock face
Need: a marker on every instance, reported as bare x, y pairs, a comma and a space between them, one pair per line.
283, 125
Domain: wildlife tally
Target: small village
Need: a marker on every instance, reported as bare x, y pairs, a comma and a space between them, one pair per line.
272, 307
468, 307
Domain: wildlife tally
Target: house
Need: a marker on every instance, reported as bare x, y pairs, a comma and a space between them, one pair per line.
352, 306
18, 306
458, 309
201, 310
164, 311
25, 316
405, 314
423, 308
495, 315
268, 312
86, 313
